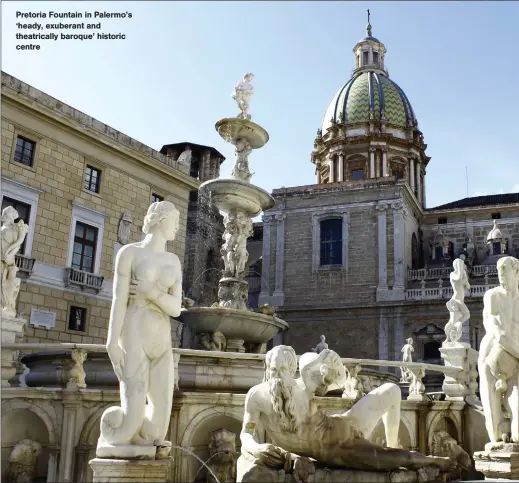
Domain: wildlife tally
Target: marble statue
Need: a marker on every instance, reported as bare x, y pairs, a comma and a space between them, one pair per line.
13, 235
443, 444
238, 227
242, 94
241, 166
22, 462
125, 227
498, 362
147, 290
212, 342
407, 356
321, 346
222, 457
459, 313
299, 431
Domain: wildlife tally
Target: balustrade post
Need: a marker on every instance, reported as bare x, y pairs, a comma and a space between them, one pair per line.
417, 387
353, 386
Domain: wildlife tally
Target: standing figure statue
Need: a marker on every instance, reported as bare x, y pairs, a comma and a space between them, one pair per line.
299, 431
321, 346
407, 356
242, 94
459, 313
147, 291
498, 362
13, 235
230, 238
241, 167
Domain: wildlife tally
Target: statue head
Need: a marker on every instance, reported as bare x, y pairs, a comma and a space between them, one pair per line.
320, 371
508, 272
9, 214
126, 216
409, 341
25, 452
458, 265
223, 442
322, 338
248, 76
163, 216
280, 369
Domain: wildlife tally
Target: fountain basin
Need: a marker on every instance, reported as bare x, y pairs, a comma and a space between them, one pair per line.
233, 194
238, 326
233, 128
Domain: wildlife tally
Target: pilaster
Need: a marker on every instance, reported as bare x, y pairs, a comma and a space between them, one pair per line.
264, 296
278, 295
332, 170
383, 340
399, 244
341, 166
381, 209
372, 162
412, 177
385, 171
68, 437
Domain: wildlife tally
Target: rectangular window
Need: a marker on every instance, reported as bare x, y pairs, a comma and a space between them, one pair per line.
365, 58
375, 57
442, 220
24, 152
92, 179
83, 254
438, 253
496, 216
156, 198
357, 175
331, 242
77, 319
496, 248
24, 212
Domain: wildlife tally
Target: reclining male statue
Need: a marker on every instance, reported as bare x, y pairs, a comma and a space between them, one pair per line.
300, 432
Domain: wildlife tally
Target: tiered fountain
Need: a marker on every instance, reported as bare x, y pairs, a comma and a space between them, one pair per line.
229, 325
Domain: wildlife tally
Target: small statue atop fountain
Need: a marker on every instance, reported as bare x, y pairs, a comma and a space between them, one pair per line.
13, 235
459, 313
321, 346
241, 167
407, 356
242, 94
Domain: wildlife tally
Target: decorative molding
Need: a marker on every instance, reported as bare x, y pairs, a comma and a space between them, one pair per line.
281, 217
397, 206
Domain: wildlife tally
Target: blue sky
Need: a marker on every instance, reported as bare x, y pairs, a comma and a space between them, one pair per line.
172, 78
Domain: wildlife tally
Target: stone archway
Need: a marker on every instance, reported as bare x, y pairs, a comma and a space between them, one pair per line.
443, 422
406, 434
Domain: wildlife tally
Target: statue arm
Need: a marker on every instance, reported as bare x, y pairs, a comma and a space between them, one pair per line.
171, 302
251, 417
121, 292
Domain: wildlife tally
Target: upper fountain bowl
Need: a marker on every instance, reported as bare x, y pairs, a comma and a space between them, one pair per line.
233, 128
234, 194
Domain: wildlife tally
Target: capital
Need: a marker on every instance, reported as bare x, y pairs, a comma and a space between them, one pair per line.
398, 206
372, 149
280, 217
381, 207
384, 149
267, 219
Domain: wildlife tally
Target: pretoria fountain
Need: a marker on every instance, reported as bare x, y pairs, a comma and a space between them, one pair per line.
229, 325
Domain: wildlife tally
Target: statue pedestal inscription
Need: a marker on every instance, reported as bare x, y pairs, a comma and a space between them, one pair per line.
498, 460
112, 470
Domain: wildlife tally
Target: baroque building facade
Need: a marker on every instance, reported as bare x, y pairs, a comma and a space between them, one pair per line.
83, 188
358, 256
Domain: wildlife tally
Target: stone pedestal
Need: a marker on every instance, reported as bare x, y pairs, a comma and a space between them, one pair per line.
463, 384
12, 327
128, 471
498, 460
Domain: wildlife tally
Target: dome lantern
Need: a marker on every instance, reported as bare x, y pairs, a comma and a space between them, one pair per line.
369, 52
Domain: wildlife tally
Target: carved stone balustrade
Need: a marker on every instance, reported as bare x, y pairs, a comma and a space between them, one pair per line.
439, 293
25, 265
444, 272
84, 280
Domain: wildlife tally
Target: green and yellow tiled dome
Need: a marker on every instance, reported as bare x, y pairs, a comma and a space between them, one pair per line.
370, 91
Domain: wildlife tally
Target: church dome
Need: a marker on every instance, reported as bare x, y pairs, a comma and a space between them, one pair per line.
370, 95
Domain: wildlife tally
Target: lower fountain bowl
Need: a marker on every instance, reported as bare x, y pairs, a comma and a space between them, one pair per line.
234, 194
238, 326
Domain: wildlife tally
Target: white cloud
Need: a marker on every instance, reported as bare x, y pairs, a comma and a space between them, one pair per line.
499, 191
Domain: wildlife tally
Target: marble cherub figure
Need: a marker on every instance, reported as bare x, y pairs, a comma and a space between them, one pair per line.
242, 94
299, 431
147, 290
498, 362
407, 356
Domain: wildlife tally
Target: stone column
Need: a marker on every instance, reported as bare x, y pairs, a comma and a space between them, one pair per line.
68, 437
382, 250
341, 167
385, 171
377, 165
317, 175
412, 179
278, 295
398, 336
372, 162
264, 296
399, 243
423, 190
332, 170
419, 187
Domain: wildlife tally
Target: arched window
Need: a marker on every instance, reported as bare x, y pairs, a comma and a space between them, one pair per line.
431, 351
331, 242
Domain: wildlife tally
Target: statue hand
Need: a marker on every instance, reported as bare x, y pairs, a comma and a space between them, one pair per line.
303, 468
143, 287
270, 455
117, 358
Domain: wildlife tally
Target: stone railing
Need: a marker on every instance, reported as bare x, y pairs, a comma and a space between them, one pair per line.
460, 379
24, 264
436, 293
84, 279
444, 272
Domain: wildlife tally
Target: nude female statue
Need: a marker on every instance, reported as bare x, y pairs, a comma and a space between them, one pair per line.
498, 362
407, 356
298, 429
147, 290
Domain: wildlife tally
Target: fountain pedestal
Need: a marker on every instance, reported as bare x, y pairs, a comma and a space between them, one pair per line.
129, 471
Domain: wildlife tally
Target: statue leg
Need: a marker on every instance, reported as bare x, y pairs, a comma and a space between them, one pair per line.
383, 402
160, 398
491, 402
512, 399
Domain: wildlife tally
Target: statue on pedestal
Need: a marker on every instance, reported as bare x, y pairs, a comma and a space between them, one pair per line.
498, 362
459, 313
147, 291
407, 356
238, 227
300, 432
321, 346
13, 235
242, 94
241, 167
